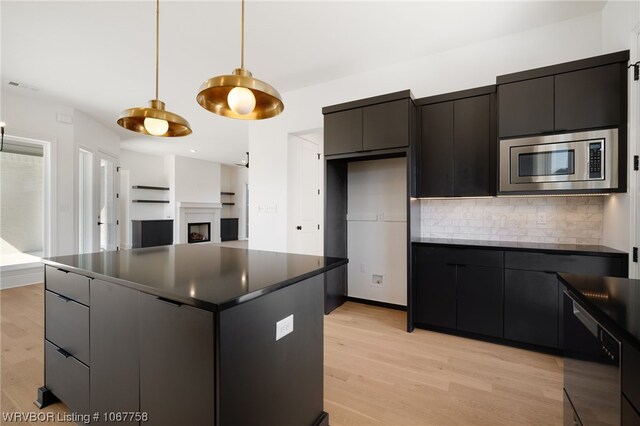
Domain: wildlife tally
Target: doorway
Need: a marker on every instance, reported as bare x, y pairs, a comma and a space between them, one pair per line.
106, 229
26, 231
303, 194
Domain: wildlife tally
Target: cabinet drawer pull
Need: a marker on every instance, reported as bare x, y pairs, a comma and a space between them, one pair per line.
63, 353
66, 299
550, 272
452, 264
169, 302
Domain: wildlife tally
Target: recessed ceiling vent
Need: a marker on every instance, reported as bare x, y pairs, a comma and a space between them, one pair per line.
23, 85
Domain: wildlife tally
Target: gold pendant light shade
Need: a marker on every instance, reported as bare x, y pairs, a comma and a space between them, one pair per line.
154, 120
214, 96
239, 95
142, 120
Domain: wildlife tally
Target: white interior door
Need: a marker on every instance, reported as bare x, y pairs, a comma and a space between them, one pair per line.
637, 151
106, 225
303, 235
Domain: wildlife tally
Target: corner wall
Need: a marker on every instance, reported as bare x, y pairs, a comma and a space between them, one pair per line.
462, 68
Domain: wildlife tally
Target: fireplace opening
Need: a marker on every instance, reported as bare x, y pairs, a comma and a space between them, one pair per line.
199, 232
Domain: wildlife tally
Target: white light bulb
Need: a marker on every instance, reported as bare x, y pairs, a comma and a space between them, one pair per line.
156, 126
241, 100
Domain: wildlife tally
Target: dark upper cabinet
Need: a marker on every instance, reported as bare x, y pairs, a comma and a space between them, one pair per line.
472, 147
381, 122
458, 144
588, 98
436, 165
580, 95
525, 107
343, 132
385, 125
480, 294
531, 307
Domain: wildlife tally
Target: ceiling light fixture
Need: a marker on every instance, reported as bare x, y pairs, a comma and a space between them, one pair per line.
239, 95
155, 120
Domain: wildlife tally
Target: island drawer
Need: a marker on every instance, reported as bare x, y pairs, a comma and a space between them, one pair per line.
577, 264
68, 284
461, 256
67, 378
67, 325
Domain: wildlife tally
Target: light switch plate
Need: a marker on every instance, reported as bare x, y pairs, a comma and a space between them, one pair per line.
284, 327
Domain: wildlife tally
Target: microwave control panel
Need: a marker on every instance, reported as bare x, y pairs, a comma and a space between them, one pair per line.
595, 160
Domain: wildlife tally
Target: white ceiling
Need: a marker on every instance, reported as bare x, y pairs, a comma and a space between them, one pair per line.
99, 56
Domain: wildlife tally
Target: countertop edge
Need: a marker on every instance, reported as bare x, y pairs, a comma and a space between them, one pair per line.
212, 307
610, 251
597, 313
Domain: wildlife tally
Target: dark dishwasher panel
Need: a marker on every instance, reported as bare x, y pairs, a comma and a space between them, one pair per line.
591, 368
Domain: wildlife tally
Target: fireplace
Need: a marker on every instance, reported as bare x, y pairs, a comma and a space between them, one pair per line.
198, 232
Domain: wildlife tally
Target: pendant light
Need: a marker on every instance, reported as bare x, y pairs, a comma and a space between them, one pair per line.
154, 120
239, 95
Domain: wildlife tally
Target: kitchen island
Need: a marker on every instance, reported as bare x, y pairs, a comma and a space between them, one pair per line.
186, 334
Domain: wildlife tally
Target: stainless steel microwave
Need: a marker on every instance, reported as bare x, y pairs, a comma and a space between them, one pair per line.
567, 162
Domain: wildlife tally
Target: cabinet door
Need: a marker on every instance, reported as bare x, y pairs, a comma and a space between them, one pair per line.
435, 292
588, 98
114, 351
472, 146
480, 293
436, 157
385, 125
150, 234
176, 363
525, 107
531, 307
343, 132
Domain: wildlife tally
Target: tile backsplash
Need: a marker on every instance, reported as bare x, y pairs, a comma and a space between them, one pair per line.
569, 220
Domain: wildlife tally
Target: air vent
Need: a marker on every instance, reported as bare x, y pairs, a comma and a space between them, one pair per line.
22, 85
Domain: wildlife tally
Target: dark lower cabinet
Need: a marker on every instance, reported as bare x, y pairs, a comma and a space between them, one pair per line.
151, 233
531, 307
229, 229
479, 300
114, 355
335, 288
176, 362
435, 292
630, 417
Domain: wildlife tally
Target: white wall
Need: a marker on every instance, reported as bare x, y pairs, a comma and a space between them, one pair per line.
377, 229
234, 179
620, 26
147, 170
35, 118
196, 181
467, 67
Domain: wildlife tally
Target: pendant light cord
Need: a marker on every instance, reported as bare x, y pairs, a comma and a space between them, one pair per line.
242, 40
157, 43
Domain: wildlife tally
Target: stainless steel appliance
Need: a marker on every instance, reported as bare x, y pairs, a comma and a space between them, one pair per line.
567, 162
592, 393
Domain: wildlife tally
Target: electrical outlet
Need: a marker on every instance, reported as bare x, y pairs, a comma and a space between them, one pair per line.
542, 218
376, 280
284, 327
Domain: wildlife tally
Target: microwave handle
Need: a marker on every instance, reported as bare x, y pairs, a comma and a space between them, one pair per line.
585, 318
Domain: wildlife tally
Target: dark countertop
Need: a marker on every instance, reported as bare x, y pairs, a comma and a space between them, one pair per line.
202, 275
538, 247
614, 302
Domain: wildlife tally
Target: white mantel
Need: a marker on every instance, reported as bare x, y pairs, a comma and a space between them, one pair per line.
190, 212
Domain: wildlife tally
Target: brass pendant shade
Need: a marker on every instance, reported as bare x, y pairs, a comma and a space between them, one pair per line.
260, 100
133, 119
154, 120
214, 93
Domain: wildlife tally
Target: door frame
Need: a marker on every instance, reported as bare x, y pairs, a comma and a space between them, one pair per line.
97, 156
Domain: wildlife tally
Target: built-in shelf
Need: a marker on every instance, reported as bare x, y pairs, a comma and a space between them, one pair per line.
228, 193
151, 201
228, 204
157, 188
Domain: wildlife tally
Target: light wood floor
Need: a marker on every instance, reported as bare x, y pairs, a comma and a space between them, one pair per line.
375, 372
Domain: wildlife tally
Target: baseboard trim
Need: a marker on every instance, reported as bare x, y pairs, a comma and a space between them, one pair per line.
377, 303
21, 277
